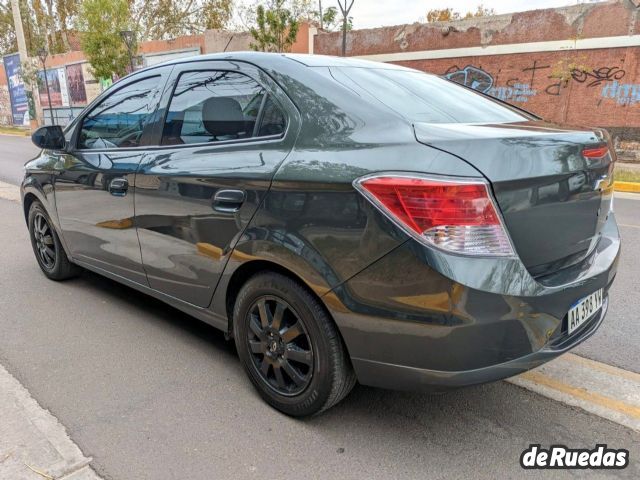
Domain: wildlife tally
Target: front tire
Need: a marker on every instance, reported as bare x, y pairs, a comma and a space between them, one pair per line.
289, 346
51, 257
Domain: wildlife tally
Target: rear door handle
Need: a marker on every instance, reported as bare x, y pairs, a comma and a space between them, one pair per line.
228, 201
118, 187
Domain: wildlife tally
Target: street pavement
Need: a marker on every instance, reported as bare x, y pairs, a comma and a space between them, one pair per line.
150, 393
15, 151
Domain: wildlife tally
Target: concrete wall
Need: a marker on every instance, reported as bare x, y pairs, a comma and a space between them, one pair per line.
550, 62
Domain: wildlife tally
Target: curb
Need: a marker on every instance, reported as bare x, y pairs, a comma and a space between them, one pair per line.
34, 444
600, 389
633, 187
11, 134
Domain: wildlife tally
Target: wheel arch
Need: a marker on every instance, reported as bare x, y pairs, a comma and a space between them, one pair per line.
245, 271
27, 201
33, 190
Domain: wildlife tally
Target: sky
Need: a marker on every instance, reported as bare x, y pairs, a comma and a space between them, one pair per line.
376, 13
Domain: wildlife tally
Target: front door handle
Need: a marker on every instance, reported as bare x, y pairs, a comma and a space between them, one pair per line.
118, 187
228, 201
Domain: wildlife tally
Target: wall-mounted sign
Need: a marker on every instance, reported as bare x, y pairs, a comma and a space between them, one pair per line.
54, 88
64, 91
91, 85
17, 92
75, 84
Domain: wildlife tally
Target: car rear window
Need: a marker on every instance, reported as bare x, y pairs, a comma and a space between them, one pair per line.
421, 97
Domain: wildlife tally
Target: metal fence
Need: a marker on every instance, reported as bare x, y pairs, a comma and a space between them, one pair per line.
60, 115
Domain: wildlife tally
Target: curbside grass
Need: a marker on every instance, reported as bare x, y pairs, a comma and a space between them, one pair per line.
626, 179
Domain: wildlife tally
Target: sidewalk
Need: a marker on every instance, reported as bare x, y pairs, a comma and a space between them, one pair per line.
33, 444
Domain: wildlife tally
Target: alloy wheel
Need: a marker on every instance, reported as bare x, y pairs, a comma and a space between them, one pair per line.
45, 246
280, 346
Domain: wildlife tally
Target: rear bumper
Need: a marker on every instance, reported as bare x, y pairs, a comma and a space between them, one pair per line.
400, 377
417, 320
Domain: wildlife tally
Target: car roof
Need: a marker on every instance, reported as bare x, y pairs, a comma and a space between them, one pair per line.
267, 60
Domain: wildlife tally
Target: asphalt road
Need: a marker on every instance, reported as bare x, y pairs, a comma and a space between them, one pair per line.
15, 151
151, 393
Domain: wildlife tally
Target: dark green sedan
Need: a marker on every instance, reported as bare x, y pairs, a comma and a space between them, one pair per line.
341, 220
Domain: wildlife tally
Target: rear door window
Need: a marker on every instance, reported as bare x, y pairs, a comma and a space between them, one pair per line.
215, 106
121, 119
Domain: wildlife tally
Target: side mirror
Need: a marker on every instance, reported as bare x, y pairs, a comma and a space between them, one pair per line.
49, 137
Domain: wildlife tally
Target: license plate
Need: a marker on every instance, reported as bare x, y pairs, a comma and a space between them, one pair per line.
583, 310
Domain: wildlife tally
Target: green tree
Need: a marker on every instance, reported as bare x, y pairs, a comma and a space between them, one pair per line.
7, 32
165, 19
276, 28
100, 24
332, 22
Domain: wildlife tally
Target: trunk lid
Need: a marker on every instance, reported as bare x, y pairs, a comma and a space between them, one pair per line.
554, 200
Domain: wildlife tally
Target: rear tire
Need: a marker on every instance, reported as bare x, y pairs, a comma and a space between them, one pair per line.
289, 346
51, 257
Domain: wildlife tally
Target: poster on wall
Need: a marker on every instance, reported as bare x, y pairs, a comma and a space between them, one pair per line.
64, 92
105, 83
75, 84
17, 92
91, 85
54, 88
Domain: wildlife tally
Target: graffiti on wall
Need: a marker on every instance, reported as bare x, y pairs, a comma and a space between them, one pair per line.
479, 79
472, 77
542, 78
627, 94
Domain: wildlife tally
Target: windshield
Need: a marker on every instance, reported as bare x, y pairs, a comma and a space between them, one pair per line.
421, 97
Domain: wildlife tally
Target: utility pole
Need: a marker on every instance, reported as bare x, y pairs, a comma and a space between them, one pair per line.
17, 25
22, 44
345, 19
42, 53
320, 10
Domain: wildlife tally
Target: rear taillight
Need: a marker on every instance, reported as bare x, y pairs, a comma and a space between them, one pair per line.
453, 215
595, 152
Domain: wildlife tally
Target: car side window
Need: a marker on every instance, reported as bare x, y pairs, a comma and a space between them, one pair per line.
214, 106
273, 120
119, 121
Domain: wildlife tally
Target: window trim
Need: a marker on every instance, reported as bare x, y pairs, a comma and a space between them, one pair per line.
78, 129
269, 138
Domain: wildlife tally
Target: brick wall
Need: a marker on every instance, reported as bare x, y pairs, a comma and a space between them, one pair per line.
561, 77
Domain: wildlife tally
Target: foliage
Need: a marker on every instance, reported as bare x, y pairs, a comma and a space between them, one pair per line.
276, 28
46, 23
101, 22
442, 15
165, 19
7, 32
564, 70
332, 21
481, 11
50, 23
449, 14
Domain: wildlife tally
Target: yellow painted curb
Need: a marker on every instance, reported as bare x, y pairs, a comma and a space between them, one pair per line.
633, 187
